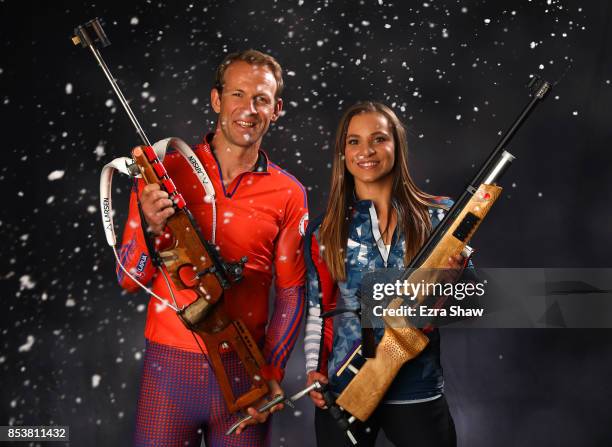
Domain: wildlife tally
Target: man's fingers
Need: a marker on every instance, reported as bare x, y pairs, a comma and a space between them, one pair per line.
277, 407
157, 195
257, 416
166, 212
161, 203
150, 188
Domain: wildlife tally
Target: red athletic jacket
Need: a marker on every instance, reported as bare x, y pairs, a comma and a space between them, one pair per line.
262, 215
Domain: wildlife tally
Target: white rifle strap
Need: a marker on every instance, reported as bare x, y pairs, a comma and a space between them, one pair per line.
120, 164
183, 148
106, 204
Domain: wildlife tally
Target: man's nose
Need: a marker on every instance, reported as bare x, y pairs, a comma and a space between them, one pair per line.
252, 106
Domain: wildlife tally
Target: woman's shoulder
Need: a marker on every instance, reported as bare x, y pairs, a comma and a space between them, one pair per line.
443, 202
438, 207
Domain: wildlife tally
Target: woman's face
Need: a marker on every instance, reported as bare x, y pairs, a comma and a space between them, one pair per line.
370, 149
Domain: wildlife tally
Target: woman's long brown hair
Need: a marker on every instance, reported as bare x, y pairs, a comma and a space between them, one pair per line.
411, 203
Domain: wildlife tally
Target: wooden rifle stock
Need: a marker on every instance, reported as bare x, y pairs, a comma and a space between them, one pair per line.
192, 264
450, 238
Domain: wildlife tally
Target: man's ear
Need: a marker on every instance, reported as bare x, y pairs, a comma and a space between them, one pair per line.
215, 100
278, 108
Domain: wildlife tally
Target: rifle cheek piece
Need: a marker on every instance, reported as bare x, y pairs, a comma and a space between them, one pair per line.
195, 313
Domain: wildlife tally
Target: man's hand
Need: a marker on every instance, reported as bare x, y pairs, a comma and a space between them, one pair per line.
315, 396
156, 207
257, 417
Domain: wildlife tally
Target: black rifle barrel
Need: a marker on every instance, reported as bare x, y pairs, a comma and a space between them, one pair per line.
540, 89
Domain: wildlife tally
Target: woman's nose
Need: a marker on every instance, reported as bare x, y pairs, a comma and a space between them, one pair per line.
366, 150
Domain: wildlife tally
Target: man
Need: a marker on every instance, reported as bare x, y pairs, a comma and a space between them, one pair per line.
261, 213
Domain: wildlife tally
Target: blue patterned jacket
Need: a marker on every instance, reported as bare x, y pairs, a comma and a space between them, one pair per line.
328, 341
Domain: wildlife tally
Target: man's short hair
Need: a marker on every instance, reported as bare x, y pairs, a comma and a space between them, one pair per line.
252, 57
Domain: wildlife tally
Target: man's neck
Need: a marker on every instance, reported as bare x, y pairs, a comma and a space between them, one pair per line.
234, 160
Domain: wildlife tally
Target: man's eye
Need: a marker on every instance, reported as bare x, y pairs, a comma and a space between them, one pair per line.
261, 99
238, 94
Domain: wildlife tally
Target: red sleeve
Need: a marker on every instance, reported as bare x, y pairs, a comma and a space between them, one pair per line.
289, 249
283, 330
134, 254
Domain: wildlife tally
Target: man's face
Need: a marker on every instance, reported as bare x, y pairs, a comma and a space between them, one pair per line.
246, 106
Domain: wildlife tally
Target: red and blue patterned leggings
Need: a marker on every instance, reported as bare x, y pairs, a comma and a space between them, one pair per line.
180, 400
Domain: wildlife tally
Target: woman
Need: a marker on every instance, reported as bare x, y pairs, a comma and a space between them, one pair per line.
376, 217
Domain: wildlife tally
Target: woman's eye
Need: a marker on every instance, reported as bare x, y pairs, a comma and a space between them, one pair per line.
352, 142
379, 139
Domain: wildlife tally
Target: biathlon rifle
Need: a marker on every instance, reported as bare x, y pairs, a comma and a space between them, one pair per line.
400, 341
191, 261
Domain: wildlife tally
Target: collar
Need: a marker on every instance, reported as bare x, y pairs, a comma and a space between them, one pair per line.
261, 165
361, 206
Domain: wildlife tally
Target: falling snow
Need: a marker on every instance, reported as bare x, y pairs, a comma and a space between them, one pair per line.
454, 74
55, 175
27, 345
25, 282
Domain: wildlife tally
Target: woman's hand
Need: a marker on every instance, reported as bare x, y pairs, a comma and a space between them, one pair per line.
315, 396
454, 269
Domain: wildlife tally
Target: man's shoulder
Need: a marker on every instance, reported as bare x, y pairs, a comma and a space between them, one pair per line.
284, 180
282, 175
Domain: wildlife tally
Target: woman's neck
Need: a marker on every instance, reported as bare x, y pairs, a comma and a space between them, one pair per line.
380, 195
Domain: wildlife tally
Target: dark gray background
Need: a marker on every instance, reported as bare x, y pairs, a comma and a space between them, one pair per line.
456, 78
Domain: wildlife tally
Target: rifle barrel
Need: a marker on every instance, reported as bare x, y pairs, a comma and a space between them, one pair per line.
487, 171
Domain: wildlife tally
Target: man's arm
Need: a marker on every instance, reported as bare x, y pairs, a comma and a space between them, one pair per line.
284, 325
134, 254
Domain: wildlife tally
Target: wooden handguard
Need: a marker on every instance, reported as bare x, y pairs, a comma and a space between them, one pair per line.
399, 344
458, 235
462, 229
191, 266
